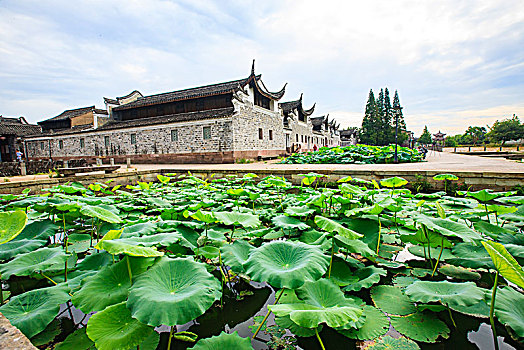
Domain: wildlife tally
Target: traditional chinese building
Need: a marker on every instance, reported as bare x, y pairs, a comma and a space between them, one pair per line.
225, 122
11, 132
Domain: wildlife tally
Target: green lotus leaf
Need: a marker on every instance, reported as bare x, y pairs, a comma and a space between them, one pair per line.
354, 246
393, 182
509, 309
100, 213
163, 179
78, 340
506, 264
189, 337
323, 303
333, 226
442, 177
236, 254
204, 216
110, 235
173, 291
115, 247
341, 274
484, 195
20, 246
501, 209
109, 286
403, 281
11, 224
285, 322
32, 311
142, 229
392, 300
34, 262
114, 328
223, 341
421, 326
95, 261
299, 211
367, 277
289, 223
458, 272
390, 343
434, 239
448, 228
163, 239
48, 334
237, 219
41, 230
376, 324
468, 255
78, 243
447, 293
518, 200
419, 251
285, 264
480, 309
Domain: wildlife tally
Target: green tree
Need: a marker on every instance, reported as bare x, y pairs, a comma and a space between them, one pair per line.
476, 134
368, 132
398, 117
425, 138
389, 125
506, 130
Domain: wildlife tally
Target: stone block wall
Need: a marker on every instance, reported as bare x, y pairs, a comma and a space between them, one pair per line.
149, 140
247, 122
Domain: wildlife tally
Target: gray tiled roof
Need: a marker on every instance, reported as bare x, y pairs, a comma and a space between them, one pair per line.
166, 119
17, 126
70, 113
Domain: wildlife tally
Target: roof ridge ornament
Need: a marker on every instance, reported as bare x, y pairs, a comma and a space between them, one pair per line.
253, 67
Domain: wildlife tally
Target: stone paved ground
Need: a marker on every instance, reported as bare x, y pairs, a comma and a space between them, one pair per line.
436, 161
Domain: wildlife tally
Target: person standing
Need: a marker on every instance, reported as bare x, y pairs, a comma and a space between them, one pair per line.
19, 156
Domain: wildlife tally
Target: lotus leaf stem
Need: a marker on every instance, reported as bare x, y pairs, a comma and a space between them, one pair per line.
170, 337
129, 269
440, 254
49, 279
319, 340
451, 317
332, 252
267, 314
379, 229
1, 292
492, 309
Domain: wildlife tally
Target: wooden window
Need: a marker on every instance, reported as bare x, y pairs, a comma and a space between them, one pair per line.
82, 143
270, 134
61, 144
206, 132
41, 146
260, 134
297, 137
174, 135
106, 141
133, 139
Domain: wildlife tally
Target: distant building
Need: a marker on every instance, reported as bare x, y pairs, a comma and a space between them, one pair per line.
225, 122
11, 132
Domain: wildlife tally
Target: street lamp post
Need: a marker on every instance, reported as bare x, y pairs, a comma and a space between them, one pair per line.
396, 135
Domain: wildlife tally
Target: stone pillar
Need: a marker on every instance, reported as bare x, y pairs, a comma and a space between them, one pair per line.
112, 161
469, 149
128, 162
23, 170
66, 164
484, 148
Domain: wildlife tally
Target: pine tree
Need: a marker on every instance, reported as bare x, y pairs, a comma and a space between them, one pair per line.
368, 131
389, 124
381, 135
399, 117
425, 138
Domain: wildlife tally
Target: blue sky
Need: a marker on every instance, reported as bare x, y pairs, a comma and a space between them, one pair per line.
454, 63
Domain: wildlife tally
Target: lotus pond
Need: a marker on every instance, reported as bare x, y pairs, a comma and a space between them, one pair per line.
242, 263
356, 154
